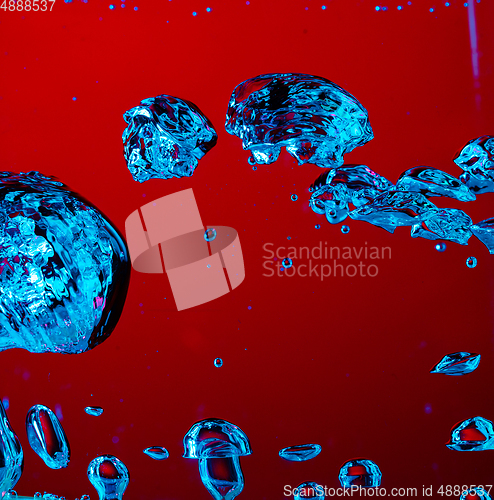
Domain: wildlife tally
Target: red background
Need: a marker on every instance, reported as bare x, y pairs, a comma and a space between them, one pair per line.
342, 362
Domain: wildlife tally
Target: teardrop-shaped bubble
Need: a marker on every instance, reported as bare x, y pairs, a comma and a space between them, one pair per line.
47, 437
109, 476
222, 477
95, 411
308, 489
11, 455
301, 452
156, 452
360, 472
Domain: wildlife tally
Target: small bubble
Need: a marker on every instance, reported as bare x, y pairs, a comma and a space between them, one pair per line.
210, 234
431, 9
249, 307
323, 7
287, 263
441, 246
115, 439
311, 189
209, 266
428, 409
135, 8
447, 4
85, 497
288, 237
294, 197
378, 8
218, 362
74, 98
254, 168
208, 9
38, 495
194, 13
156, 452
123, 7
251, 160
111, 6
471, 262
318, 226
95, 411
399, 7
345, 229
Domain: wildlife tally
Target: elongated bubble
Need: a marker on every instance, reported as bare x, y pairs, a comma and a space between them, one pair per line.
156, 452
11, 454
446, 224
457, 363
47, 437
109, 476
301, 452
431, 181
95, 411
395, 208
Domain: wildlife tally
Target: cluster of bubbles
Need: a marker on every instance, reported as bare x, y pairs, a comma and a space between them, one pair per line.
217, 445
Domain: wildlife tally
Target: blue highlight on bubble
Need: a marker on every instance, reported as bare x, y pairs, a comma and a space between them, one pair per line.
111, 6
287, 263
